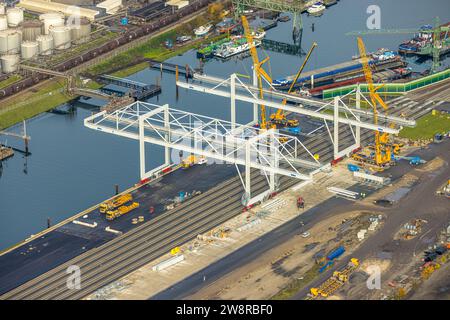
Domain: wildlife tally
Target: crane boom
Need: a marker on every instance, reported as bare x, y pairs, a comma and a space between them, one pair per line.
280, 114
375, 98
257, 65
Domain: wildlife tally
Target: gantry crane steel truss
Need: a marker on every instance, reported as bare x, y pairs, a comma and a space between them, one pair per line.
215, 139
236, 90
295, 7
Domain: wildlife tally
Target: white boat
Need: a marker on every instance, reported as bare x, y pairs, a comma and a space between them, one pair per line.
316, 9
202, 30
258, 35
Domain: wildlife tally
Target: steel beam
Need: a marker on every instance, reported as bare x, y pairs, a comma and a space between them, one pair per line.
158, 124
293, 109
310, 102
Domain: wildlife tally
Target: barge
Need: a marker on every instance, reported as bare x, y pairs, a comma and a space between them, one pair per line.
422, 43
343, 71
233, 48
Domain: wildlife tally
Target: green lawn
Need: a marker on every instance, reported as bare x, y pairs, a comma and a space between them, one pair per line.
30, 104
153, 49
427, 127
10, 80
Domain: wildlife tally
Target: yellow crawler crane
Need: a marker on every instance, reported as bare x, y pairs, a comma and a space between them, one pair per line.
335, 282
113, 214
382, 149
257, 65
116, 202
279, 118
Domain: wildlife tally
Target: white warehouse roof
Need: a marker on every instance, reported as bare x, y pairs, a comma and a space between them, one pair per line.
44, 6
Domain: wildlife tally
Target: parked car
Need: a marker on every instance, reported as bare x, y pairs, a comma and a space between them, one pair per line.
305, 234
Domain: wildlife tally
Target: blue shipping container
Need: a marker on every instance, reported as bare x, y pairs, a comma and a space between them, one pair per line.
336, 253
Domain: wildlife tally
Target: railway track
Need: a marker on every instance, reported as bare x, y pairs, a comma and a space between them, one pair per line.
124, 254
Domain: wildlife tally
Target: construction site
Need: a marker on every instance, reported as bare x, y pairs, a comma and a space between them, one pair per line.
247, 162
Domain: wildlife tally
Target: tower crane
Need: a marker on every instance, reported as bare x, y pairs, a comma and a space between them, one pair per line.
279, 118
382, 149
257, 66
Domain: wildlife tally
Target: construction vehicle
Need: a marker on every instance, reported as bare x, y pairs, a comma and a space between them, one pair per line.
335, 282
300, 203
192, 160
260, 75
279, 118
445, 190
383, 151
259, 71
115, 202
413, 160
113, 214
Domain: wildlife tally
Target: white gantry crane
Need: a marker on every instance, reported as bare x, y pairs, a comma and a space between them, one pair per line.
218, 140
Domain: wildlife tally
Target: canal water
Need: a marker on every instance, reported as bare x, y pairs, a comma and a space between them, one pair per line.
72, 167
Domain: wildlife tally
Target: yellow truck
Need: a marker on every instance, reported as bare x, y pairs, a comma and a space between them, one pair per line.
113, 214
192, 160
116, 202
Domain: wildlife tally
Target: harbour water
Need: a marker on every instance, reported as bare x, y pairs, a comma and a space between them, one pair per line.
72, 167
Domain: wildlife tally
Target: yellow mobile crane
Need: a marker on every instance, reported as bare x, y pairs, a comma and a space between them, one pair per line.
382, 149
279, 118
257, 65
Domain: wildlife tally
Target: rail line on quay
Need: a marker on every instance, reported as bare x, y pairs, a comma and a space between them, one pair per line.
197, 213
153, 239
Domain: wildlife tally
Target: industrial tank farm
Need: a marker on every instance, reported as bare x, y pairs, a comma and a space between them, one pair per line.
28, 38
69, 36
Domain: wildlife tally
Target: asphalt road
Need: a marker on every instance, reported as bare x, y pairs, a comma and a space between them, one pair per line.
421, 199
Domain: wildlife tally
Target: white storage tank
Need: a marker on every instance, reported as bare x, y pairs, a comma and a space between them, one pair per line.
82, 32
51, 19
61, 37
31, 29
2, 8
45, 43
3, 22
29, 49
15, 16
10, 63
10, 41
